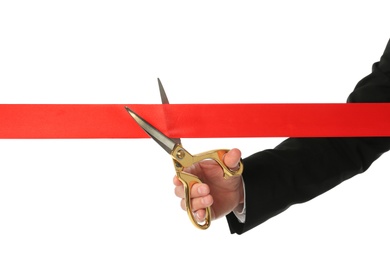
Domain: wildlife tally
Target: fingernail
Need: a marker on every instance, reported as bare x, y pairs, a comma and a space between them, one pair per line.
198, 216
206, 201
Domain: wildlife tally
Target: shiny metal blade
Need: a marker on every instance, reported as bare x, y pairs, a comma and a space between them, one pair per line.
164, 100
165, 142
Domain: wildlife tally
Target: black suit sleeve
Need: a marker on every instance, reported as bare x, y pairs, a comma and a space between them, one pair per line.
299, 169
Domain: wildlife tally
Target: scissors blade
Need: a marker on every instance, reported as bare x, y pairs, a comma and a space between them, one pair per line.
165, 142
164, 100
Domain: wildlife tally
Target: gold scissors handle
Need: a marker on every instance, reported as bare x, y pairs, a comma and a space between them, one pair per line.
182, 159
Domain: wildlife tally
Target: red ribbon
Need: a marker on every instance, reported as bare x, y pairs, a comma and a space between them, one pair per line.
195, 120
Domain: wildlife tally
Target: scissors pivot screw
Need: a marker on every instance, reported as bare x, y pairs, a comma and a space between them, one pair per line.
180, 154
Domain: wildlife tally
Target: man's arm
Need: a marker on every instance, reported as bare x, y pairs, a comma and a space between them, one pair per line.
299, 169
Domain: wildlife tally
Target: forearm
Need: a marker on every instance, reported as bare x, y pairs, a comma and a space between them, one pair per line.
300, 169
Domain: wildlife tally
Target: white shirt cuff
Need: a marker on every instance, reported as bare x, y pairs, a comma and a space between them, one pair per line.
240, 210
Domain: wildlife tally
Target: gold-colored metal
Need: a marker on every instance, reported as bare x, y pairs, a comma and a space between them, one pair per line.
183, 159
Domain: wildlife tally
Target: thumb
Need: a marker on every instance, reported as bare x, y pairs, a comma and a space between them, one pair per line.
232, 158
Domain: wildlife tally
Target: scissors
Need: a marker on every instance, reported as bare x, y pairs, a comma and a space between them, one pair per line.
182, 159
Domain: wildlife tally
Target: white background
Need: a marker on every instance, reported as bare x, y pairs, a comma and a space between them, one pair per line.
113, 199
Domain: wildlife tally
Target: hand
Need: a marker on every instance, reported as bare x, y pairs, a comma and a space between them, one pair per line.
222, 195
